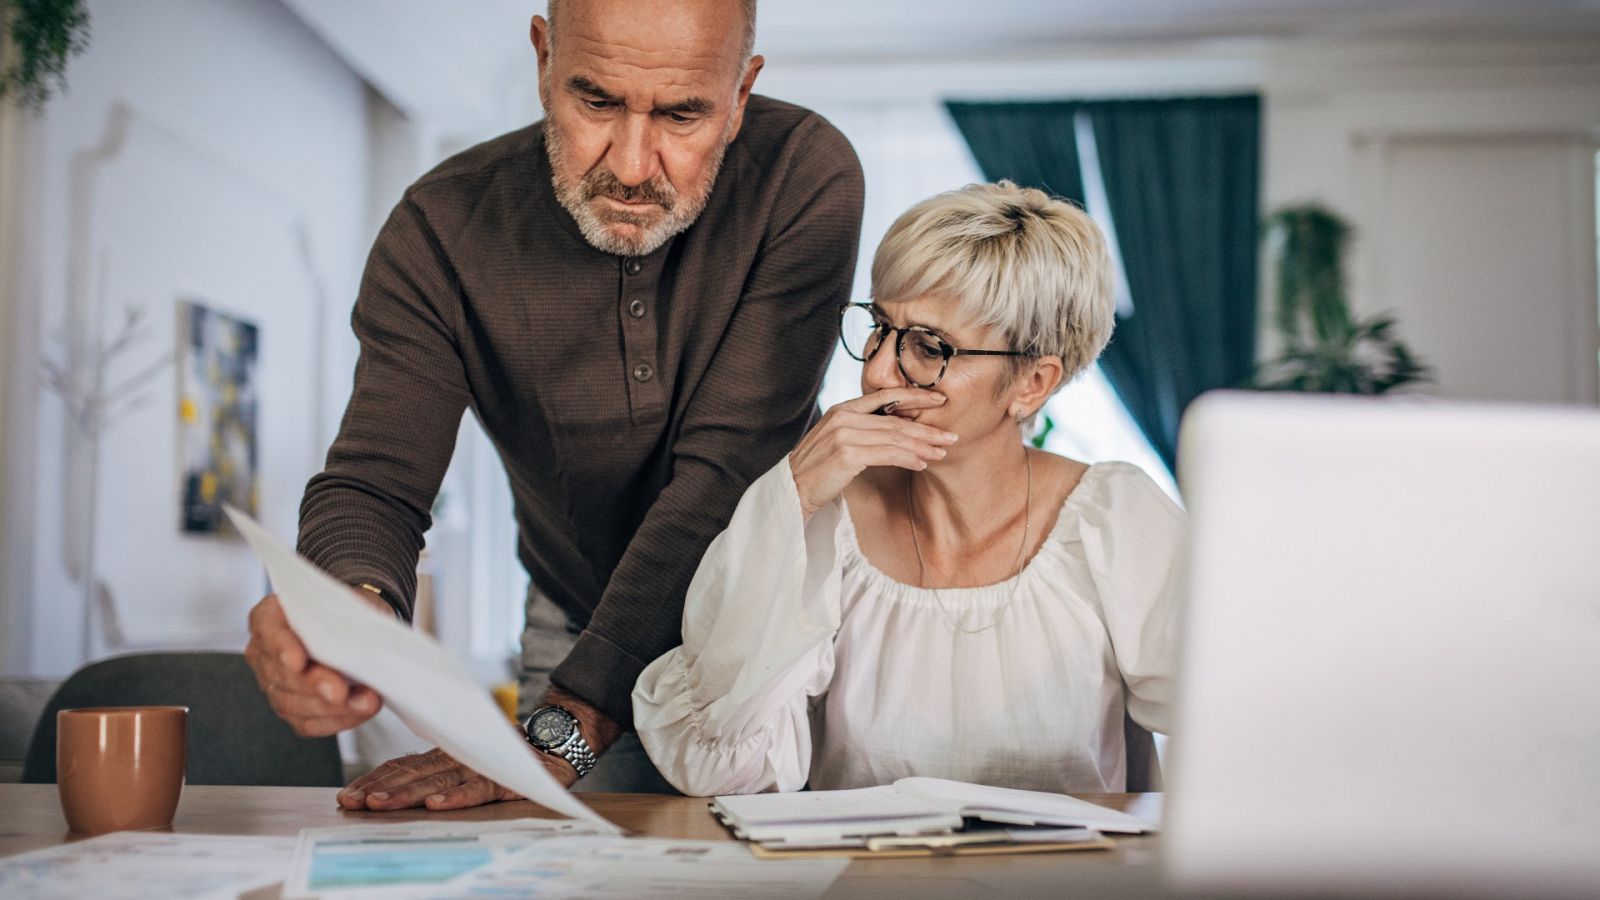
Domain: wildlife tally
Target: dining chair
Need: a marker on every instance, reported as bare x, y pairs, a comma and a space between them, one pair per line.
234, 736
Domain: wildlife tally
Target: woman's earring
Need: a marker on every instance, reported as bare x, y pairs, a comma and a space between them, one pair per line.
1019, 415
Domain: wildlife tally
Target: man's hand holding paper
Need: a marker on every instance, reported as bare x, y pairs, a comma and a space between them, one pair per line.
314, 699
420, 681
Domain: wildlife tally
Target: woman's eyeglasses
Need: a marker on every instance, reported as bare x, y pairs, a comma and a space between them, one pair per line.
922, 354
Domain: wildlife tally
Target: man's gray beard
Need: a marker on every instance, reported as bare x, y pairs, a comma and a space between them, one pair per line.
579, 199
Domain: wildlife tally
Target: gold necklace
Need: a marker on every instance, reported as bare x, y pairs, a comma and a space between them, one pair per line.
1027, 520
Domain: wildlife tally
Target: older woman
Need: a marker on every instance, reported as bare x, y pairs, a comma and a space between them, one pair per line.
915, 591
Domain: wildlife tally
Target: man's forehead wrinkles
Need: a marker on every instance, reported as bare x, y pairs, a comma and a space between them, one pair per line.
595, 52
616, 45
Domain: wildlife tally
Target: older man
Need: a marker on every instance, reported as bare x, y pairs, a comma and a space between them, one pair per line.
636, 297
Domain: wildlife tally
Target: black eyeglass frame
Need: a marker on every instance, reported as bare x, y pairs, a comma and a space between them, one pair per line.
946, 349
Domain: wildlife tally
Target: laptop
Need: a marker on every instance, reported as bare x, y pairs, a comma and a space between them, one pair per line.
1390, 677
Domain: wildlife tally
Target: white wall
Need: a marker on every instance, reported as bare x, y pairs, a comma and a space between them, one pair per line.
1468, 174
207, 148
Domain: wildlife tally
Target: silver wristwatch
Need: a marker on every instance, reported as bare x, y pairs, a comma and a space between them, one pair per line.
553, 730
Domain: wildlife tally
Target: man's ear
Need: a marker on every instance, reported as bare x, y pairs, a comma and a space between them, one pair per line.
745, 85
1036, 384
539, 34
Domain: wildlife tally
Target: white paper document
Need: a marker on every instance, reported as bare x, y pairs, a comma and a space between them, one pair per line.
535, 858
421, 682
140, 864
910, 806
647, 869
1013, 806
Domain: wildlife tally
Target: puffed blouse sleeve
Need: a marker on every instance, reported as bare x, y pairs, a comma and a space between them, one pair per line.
1134, 539
727, 711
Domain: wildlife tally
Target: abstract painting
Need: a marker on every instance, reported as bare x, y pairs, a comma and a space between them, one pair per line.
217, 364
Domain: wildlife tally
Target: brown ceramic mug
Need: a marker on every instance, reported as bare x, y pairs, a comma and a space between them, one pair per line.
120, 768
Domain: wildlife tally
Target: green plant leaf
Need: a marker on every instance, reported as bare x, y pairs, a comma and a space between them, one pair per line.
45, 34
1044, 431
1326, 348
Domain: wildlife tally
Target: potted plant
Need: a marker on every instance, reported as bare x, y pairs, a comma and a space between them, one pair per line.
40, 37
1325, 347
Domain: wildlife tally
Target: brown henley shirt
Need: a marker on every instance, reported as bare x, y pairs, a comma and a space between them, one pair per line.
632, 400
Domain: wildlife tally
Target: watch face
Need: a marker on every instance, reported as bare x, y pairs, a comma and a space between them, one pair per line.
550, 727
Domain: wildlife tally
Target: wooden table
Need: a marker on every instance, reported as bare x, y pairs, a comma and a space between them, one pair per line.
30, 819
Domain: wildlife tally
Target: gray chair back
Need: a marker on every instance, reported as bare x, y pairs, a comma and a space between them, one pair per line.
1144, 767
234, 736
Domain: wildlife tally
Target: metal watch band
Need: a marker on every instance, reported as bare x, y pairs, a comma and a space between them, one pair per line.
576, 750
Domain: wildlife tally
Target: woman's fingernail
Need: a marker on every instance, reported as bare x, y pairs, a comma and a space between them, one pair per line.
951, 436
362, 703
940, 397
381, 795
327, 693
436, 798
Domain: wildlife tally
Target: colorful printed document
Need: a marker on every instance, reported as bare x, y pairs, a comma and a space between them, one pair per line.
395, 860
536, 858
139, 864
650, 869
421, 682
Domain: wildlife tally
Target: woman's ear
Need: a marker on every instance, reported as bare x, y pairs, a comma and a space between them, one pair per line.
1035, 385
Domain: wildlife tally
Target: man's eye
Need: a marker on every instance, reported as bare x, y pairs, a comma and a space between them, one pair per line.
598, 105
679, 118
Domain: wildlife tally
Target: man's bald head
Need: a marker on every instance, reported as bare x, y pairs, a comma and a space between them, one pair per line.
747, 9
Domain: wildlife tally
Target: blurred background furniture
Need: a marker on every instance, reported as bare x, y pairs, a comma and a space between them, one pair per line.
21, 701
234, 736
1144, 765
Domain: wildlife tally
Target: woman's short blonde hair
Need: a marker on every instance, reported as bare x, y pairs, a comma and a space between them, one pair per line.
1032, 266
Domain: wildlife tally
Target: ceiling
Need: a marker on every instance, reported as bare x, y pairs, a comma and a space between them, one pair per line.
832, 29
439, 56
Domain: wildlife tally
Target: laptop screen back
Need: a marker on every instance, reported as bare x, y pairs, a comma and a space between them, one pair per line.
1391, 670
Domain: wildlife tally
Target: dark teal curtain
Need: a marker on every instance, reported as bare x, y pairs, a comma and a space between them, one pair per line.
1033, 144
1181, 177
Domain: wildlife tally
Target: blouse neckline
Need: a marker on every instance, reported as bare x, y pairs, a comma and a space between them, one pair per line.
979, 592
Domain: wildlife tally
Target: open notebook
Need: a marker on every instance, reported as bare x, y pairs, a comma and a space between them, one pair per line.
920, 812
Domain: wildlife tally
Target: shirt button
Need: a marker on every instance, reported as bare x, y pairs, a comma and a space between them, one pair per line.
633, 267
636, 309
642, 372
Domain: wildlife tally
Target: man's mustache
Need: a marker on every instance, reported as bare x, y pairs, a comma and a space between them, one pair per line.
602, 183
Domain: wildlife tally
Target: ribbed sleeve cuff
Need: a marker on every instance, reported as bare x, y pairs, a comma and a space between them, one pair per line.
359, 539
602, 673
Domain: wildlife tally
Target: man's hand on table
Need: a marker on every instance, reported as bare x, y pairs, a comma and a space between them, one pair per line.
315, 700
435, 779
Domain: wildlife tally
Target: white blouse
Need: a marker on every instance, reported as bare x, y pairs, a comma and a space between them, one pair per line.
802, 663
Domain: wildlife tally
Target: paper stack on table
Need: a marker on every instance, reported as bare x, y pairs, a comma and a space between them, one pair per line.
418, 680
920, 812
547, 858
141, 864
536, 858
